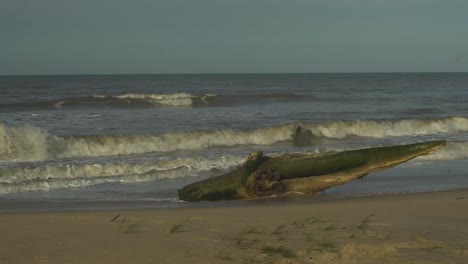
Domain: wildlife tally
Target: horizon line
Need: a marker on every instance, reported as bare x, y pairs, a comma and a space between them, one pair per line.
229, 73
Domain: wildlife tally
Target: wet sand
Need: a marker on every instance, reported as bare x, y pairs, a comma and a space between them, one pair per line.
412, 228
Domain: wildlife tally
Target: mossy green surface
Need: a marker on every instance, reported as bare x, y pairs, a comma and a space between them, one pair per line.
299, 166
223, 187
294, 166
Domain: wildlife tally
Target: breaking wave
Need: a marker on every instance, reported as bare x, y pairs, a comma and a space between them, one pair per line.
33, 159
59, 174
452, 151
23, 143
388, 128
32, 144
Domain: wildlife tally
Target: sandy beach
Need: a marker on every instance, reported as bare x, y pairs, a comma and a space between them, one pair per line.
411, 228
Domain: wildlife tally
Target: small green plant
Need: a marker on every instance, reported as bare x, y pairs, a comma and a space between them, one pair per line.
327, 245
127, 227
249, 259
224, 255
133, 228
278, 250
243, 242
386, 237
246, 239
251, 230
302, 223
330, 228
366, 220
178, 227
309, 237
278, 230
280, 238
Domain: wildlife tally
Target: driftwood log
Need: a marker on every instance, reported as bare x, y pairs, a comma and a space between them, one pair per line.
261, 175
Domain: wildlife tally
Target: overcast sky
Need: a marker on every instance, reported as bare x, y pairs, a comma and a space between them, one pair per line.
232, 36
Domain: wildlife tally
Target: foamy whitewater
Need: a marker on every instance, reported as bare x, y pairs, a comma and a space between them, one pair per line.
142, 137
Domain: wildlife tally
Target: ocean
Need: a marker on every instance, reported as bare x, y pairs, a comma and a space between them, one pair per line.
136, 139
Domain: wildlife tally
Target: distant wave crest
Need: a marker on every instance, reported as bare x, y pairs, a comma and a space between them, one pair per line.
176, 99
147, 100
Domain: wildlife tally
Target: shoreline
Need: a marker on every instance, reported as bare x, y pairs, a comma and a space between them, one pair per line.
30, 206
404, 179
428, 227
25, 206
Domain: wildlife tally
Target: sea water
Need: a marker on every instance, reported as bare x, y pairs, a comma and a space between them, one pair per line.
135, 138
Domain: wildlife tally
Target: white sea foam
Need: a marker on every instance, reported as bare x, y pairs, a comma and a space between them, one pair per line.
52, 175
452, 151
118, 145
175, 99
21, 177
49, 184
390, 128
13, 173
29, 143
178, 99
23, 143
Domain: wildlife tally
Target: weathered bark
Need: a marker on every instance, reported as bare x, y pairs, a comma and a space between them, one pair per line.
306, 173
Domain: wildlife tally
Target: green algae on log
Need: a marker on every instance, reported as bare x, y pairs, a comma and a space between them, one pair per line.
261, 175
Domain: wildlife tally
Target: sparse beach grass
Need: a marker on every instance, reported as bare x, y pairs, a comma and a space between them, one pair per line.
128, 226
365, 221
343, 233
283, 241
278, 250
297, 241
178, 227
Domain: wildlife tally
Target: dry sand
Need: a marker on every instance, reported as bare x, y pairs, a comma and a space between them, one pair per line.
416, 228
